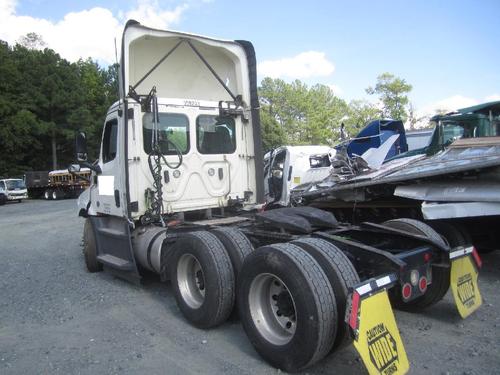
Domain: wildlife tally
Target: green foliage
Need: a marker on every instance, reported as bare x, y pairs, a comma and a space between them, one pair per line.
44, 100
393, 92
273, 134
360, 112
293, 113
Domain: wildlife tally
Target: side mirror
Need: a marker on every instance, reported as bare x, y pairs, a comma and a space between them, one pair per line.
81, 147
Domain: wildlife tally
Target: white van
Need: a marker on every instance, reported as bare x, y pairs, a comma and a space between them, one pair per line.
13, 189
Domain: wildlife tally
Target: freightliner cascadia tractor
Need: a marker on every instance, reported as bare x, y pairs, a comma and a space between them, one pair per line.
178, 191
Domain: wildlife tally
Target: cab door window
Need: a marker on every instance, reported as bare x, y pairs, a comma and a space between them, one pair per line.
110, 141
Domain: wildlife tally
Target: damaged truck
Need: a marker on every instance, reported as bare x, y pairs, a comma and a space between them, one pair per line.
452, 183
178, 191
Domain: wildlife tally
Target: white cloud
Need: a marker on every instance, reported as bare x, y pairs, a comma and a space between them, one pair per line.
304, 65
453, 103
446, 105
150, 13
492, 98
88, 33
7, 7
337, 90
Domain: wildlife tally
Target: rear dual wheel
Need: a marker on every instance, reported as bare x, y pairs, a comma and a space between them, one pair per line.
287, 306
202, 278
204, 267
340, 273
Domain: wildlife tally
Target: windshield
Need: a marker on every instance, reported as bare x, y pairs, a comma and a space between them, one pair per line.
15, 184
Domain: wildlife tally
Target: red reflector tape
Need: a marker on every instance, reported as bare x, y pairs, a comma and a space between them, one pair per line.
477, 258
353, 319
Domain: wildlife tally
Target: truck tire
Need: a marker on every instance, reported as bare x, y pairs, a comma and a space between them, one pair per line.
57, 194
3, 199
237, 245
440, 275
90, 248
287, 306
451, 233
47, 194
202, 278
341, 274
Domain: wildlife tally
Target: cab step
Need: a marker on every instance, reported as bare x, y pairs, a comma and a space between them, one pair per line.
115, 262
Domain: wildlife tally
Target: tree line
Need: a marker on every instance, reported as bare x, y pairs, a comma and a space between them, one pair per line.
45, 99
296, 114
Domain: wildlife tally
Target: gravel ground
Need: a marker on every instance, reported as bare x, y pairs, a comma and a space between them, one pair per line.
56, 318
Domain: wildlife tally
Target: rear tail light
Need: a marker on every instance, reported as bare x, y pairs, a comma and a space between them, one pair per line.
406, 291
477, 258
422, 284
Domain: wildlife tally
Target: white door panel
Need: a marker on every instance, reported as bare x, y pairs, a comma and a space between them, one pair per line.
108, 197
204, 179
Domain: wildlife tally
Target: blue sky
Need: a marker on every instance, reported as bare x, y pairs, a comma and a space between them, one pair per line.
448, 50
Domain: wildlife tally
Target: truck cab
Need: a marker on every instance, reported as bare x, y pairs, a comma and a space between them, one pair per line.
193, 96
13, 189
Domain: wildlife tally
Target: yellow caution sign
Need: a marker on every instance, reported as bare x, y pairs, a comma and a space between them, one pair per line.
378, 341
464, 286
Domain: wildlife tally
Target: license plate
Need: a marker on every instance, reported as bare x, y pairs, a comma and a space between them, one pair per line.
376, 335
464, 285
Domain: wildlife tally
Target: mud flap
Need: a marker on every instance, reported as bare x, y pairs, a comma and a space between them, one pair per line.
374, 329
465, 263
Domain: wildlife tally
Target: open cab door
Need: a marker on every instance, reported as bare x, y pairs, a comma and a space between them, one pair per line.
373, 327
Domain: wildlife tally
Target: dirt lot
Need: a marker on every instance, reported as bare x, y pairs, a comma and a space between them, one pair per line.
56, 318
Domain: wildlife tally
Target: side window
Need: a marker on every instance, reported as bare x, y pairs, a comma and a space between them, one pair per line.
215, 135
110, 140
173, 127
2, 185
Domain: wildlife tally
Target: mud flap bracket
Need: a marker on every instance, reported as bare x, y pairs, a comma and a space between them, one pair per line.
373, 327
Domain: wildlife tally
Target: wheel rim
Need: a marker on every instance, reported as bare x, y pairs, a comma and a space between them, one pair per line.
191, 280
272, 309
47, 195
54, 195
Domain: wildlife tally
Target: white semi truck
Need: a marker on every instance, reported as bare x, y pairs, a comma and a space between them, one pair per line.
178, 190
